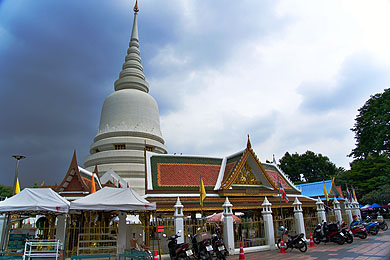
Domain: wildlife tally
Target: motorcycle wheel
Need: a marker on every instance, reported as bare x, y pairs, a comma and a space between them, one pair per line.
221, 256
374, 231
340, 240
303, 248
278, 243
384, 227
316, 240
349, 239
363, 236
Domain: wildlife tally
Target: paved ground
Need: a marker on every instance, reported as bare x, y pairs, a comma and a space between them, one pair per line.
373, 247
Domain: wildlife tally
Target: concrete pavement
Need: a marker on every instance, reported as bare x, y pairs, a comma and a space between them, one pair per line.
373, 247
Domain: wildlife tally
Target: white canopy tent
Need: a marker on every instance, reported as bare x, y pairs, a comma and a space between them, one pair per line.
113, 199
36, 201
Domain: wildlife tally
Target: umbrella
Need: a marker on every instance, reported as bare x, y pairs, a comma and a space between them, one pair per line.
218, 217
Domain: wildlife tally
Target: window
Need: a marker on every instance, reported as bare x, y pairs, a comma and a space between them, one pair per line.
149, 148
119, 146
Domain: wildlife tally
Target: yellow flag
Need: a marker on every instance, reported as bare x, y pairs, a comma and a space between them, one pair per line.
202, 191
17, 187
354, 195
325, 192
331, 186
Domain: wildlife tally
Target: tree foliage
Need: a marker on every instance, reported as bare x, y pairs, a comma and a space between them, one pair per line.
366, 175
372, 127
380, 195
5, 191
308, 167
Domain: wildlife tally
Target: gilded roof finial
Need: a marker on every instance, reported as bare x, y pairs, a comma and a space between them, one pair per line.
248, 144
136, 6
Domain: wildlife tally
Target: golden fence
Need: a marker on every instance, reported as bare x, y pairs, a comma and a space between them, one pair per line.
250, 231
287, 222
311, 222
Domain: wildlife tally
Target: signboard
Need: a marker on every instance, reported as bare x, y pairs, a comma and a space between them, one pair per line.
160, 229
18, 237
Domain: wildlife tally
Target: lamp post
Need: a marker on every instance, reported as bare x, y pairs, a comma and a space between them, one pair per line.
4, 237
18, 158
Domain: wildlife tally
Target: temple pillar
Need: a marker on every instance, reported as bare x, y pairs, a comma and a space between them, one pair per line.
337, 210
347, 207
298, 215
179, 221
321, 211
228, 227
268, 222
122, 233
61, 228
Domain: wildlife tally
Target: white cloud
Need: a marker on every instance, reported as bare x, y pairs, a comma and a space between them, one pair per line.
258, 86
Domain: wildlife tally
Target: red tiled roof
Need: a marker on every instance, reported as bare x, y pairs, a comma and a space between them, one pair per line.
228, 169
88, 182
177, 174
273, 175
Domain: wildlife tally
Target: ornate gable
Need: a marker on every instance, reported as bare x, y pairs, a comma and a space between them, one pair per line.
246, 176
73, 180
244, 171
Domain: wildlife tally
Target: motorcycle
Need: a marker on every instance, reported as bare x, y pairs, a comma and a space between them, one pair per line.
295, 241
359, 231
347, 233
372, 227
219, 246
178, 251
325, 233
201, 244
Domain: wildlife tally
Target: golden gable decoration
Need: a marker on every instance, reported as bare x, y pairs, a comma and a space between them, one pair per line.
246, 176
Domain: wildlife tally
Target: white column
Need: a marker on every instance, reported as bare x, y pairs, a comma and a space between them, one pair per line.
122, 233
321, 210
298, 215
337, 210
347, 207
179, 220
228, 228
356, 209
61, 228
268, 222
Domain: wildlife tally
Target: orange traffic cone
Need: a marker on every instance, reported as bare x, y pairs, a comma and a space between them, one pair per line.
311, 241
155, 255
242, 256
282, 249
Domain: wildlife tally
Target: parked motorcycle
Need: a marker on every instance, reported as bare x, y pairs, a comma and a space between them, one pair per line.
218, 245
325, 233
295, 241
359, 231
201, 244
372, 227
347, 232
178, 251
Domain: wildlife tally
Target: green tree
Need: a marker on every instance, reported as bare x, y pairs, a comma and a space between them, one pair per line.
372, 127
5, 191
308, 167
380, 195
366, 175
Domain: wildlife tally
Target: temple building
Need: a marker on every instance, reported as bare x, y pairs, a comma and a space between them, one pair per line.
129, 123
241, 177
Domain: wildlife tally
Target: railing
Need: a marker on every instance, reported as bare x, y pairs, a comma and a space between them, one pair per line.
96, 243
310, 224
331, 218
250, 231
42, 248
288, 222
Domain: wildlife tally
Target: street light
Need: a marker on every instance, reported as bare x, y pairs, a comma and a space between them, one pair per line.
4, 235
18, 158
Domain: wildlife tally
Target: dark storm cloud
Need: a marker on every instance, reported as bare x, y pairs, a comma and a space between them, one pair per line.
58, 62
205, 36
359, 77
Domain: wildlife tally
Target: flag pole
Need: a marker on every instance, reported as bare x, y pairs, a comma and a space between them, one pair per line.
201, 201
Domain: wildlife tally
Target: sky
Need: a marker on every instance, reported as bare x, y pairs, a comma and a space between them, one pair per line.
291, 74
